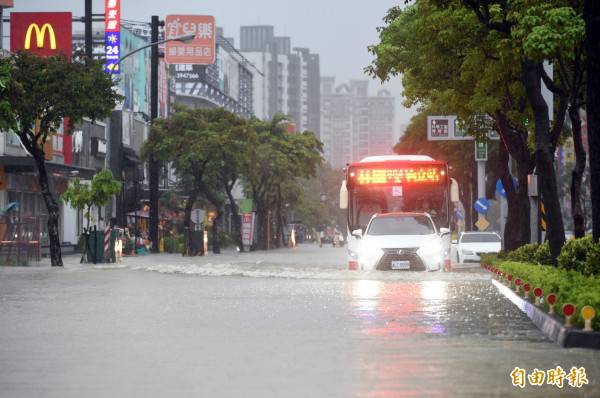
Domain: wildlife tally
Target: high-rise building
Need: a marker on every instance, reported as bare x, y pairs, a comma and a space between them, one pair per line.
353, 124
290, 79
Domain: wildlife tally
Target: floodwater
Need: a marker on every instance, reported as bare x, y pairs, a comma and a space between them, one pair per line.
285, 323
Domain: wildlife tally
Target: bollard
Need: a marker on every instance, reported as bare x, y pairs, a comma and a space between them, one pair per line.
526, 289
518, 283
551, 300
588, 313
568, 310
537, 292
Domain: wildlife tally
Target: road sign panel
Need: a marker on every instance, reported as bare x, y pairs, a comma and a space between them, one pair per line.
482, 224
481, 152
201, 50
481, 205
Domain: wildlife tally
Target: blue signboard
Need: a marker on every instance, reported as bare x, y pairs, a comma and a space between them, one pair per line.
481, 205
112, 51
500, 187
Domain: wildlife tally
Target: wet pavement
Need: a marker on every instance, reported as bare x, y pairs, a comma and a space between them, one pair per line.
287, 323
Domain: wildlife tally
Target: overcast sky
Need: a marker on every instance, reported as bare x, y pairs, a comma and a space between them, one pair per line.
338, 30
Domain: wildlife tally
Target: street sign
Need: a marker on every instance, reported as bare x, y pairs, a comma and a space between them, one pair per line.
481, 205
440, 128
199, 51
481, 151
482, 224
500, 188
198, 217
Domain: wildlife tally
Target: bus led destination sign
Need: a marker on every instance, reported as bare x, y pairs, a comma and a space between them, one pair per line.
386, 176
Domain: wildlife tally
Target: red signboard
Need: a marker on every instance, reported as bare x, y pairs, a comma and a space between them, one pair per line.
396, 175
112, 12
42, 33
201, 50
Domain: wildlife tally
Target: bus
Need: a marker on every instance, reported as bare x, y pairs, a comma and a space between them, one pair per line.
396, 183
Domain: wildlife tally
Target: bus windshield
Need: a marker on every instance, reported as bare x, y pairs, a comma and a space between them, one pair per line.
367, 199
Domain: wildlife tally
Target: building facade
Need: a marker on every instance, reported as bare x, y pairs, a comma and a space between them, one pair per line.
290, 78
353, 123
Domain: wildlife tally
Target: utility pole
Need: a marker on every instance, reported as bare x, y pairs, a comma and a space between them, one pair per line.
153, 165
88, 29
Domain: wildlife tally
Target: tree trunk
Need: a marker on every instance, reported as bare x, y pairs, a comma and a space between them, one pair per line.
279, 242
517, 231
237, 225
591, 14
260, 224
577, 174
216, 241
544, 157
187, 223
51, 206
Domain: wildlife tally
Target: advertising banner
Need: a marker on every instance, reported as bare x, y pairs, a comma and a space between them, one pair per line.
112, 35
44, 34
247, 229
201, 50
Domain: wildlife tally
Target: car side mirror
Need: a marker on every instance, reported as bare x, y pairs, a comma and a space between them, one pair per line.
444, 231
357, 233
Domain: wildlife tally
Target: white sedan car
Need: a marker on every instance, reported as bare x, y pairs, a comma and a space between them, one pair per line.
471, 245
401, 241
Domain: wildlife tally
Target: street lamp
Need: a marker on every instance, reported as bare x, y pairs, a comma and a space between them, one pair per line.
183, 39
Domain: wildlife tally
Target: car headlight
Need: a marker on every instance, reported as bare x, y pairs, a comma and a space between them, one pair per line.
432, 248
467, 252
369, 252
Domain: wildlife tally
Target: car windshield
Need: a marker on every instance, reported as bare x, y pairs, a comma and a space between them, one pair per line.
480, 238
401, 225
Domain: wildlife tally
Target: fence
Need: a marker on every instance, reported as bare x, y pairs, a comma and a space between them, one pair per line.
19, 241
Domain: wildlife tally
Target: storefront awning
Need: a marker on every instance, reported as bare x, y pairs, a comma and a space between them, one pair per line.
25, 164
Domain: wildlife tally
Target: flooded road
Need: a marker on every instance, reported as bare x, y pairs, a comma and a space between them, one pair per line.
288, 323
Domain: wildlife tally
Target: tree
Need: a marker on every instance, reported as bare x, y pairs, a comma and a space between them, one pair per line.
41, 93
205, 147
84, 196
277, 160
97, 194
507, 19
450, 64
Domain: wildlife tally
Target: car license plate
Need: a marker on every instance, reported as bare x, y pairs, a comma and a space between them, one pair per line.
400, 264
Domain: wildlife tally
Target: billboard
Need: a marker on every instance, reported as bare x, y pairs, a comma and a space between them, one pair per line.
44, 34
112, 35
201, 50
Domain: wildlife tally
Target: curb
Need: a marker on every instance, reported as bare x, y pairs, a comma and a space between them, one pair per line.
550, 326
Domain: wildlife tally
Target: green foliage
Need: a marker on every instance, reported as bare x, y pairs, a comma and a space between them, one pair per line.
574, 254
49, 90
174, 244
569, 286
82, 196
548, 30
524, 253
542, 254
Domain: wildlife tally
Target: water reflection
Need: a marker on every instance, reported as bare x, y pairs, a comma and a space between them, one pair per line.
391, 317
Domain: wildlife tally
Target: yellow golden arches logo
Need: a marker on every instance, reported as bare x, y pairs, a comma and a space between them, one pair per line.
40, 35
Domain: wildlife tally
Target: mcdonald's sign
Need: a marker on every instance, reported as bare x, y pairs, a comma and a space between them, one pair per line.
41, 33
